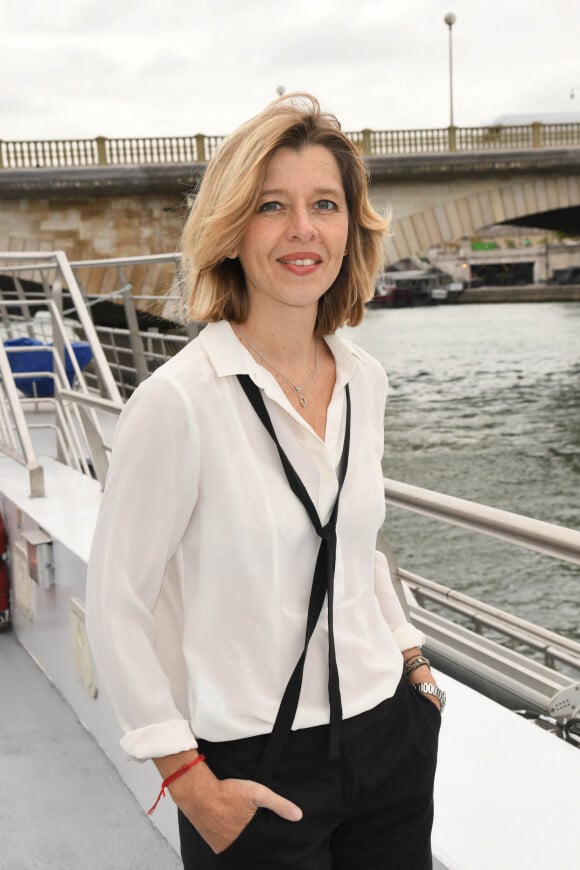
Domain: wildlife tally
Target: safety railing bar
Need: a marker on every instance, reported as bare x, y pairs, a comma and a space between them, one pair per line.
23, 302
57, 321
497, 624
27, 455
92, 401
70, 429
105, 375
497, 665
94, 298
127, 261
58, 434
28, 267
153, 297
533, 534
26, 255
486, 644
7, 425
425, 585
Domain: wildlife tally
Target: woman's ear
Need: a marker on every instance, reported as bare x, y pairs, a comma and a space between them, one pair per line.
232, 255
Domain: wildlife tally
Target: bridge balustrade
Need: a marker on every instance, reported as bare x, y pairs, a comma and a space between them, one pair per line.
48, 154
43, 154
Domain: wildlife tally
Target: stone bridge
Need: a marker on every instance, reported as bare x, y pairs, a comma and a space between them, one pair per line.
102, 208
438, 199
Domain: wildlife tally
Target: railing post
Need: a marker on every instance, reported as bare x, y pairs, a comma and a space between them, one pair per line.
200, 148
101, 150
366, 147
452, 138
135, 340
55, 295
537, 134
27, 455
1, 155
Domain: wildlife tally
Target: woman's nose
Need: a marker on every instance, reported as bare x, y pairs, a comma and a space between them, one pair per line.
301, 225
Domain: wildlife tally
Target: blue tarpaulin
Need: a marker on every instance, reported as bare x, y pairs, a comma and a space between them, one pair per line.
30, 359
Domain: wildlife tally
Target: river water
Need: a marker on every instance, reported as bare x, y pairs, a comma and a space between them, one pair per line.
484, 404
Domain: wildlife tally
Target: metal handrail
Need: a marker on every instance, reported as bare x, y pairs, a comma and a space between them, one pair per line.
486, 664
59, 261
553, 646
28, 454
546, 538
127, 261
79, 438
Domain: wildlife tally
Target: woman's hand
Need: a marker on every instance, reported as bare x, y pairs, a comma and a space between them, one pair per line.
222, 817
220, 809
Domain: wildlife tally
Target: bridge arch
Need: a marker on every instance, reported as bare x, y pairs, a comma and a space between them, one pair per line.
467, 215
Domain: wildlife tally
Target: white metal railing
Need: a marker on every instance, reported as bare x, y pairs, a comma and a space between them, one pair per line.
64, 276
90, 408
134, 352
15, 438
533, 534
492, 667
20, 316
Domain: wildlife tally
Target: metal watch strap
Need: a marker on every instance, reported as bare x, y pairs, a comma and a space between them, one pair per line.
431, 689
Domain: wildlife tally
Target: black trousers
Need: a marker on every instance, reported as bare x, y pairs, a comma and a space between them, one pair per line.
371, 808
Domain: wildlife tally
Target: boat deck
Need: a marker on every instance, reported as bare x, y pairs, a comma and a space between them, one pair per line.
62, 802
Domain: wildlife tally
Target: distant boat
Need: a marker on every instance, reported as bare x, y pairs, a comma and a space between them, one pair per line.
414, 287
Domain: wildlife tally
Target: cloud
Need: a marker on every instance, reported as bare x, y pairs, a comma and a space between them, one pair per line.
87, 67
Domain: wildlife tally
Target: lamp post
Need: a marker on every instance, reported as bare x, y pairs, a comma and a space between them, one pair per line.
450, 20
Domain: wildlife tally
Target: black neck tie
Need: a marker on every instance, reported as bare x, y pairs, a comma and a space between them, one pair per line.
322, 586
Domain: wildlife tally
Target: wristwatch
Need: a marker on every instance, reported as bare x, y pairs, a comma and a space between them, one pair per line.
431, 689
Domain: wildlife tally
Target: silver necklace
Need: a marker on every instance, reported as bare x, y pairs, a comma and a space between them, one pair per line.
298, 388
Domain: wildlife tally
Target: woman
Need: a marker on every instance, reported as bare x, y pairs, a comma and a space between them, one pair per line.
244, 626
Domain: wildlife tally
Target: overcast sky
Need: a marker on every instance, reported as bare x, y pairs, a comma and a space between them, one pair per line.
80, 68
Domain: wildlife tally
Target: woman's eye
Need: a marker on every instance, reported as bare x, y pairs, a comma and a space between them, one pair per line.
326, 205
269, 206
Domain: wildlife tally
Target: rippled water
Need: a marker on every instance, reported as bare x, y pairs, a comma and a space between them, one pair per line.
485, 404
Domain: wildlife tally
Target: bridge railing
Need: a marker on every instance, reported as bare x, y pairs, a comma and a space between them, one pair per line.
45, 154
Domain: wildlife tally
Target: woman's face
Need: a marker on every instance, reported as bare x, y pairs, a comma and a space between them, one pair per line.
294, 244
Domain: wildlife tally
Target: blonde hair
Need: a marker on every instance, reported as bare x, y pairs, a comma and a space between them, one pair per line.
213, 284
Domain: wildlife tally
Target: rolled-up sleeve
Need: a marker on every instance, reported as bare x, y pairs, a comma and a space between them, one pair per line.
149, 498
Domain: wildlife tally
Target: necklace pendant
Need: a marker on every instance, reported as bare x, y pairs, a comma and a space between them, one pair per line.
302, 401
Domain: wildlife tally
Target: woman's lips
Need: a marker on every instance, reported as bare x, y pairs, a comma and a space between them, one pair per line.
301, 263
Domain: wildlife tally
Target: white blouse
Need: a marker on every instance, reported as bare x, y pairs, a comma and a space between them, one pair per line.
202, 560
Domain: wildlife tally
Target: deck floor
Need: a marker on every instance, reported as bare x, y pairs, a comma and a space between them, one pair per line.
62, 803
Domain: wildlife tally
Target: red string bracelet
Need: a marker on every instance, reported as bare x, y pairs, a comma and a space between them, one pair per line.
172, 778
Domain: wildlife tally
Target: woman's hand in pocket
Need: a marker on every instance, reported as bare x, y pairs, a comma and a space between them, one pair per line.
220, 809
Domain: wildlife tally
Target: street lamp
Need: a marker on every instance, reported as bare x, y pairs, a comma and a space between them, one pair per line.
450, 20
